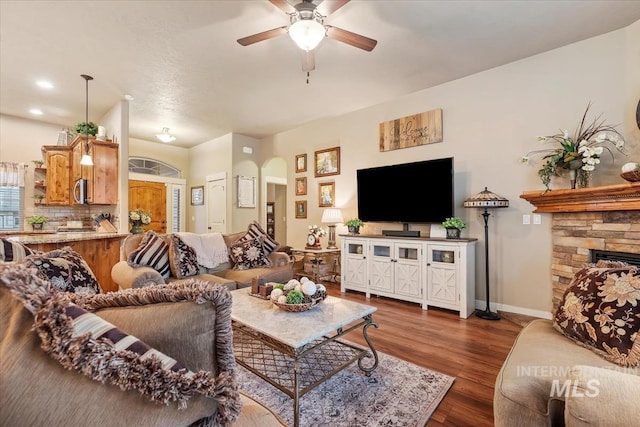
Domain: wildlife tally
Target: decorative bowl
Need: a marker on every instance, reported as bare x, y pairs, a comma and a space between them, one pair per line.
307, 304
632, 176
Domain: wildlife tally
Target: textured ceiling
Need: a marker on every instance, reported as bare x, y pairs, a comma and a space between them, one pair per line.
181, 62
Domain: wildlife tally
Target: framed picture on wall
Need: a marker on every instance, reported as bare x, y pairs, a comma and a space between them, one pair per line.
301, 186
326, 194
301, 163
327, 162
197, 195
301, 208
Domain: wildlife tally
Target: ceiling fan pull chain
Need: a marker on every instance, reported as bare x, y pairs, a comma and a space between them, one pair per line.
307, 77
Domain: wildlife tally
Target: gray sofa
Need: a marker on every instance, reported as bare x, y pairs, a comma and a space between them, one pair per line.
548, 380
133, 277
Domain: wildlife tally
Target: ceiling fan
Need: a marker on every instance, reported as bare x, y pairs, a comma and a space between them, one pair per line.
307, 28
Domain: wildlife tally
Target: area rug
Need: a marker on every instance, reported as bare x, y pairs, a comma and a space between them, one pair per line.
398, 393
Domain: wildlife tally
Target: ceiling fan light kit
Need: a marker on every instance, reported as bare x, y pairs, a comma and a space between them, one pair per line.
307, 33
307, 29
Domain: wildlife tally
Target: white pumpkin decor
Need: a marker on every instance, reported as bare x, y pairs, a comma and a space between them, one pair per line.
308, 288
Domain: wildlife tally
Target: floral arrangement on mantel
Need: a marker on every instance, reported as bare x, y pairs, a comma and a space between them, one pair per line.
317, 231
579, 154
138, 218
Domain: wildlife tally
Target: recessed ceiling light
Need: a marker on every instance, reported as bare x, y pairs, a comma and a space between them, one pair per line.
44, 84
36, 112
128, 97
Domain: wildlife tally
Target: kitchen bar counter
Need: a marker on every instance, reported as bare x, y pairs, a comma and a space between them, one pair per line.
67, 237
101, 251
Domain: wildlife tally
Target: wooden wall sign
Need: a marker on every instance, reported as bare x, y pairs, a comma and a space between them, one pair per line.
411, 131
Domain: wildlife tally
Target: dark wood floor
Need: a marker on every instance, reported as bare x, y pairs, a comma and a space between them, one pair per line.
471, 350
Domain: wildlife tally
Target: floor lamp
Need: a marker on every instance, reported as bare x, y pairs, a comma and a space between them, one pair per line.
486, 199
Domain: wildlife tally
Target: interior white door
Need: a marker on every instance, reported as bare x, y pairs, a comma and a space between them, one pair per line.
216, 202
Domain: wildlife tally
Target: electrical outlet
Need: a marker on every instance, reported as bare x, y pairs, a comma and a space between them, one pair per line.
526, 219
537, 219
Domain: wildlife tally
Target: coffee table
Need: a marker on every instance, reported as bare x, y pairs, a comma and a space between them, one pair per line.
296, 352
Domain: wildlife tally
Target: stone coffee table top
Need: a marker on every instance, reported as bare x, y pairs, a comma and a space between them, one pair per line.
295, 329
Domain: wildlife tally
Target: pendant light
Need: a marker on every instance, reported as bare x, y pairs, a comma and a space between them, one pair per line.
86, 157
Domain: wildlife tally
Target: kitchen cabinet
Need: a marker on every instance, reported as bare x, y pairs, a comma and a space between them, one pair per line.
101, 254
58, 175
102, 177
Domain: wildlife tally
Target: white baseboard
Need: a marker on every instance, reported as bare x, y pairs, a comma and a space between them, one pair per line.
481, 305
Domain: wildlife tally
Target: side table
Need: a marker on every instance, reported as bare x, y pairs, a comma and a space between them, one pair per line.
318, 264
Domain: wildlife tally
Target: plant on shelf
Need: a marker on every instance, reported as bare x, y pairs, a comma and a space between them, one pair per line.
38, 198
87, 128
579, 154
37, 221
38, 163
354, 225
454, 225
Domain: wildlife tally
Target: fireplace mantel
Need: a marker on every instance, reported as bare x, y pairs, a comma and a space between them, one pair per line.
620, 197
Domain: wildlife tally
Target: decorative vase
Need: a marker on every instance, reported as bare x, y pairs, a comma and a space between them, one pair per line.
136, 227
453, 233
353, 229
572, 177
37, 227
583, 179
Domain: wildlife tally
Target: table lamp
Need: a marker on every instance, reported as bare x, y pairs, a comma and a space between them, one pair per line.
486, 199
332, 216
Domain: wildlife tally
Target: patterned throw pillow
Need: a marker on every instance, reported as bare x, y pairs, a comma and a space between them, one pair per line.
65, 269
255, 231
247, 254
153, 252
601, 311
182, 258
11, 251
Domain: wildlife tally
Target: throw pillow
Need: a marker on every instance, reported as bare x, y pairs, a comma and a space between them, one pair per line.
247, 254
65, 269
153, 252
11, 251
182, 258
255, 231
600, 310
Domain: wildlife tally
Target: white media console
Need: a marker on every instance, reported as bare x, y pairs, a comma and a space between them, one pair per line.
430, 271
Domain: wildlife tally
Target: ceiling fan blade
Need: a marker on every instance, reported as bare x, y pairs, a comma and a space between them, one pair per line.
308, 61
353, 39
283, 5
265, 35
327, 7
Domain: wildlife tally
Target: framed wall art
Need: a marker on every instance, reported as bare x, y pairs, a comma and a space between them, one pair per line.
326, 162
301, 163
246, 191
326, 194
197, 195
301, 208
301, 186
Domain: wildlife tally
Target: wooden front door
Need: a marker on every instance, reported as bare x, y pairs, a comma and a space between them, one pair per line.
152, 197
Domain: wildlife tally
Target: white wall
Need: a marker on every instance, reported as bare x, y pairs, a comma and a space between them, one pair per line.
490, 120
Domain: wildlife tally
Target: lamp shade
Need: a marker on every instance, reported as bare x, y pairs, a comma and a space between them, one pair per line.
486, 199
307, 33
332, 216
86, 160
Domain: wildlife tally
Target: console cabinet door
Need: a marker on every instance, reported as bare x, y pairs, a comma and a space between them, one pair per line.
381, 267
354, 265
442, 280
407, 269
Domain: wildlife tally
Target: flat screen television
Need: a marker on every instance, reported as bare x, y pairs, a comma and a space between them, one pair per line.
418, 192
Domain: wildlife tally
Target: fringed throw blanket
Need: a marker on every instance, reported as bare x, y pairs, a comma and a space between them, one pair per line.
86, 343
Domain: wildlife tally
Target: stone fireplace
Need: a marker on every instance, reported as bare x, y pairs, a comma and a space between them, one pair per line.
601, 218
